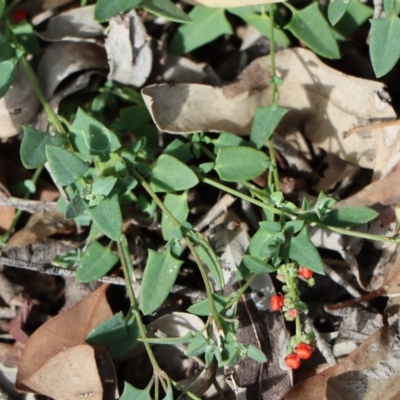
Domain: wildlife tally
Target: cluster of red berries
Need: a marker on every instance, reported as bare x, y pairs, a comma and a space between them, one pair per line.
302, 351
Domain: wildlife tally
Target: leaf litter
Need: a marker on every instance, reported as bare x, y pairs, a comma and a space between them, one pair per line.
323, 104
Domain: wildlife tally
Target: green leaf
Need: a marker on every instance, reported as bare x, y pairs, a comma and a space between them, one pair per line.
33, 146
165, 8
302, 250
159, 275
97, 260
179, 150
117, 333
266, 120
336, 10
310, 26
65, 166
170, 175
75, 207
8, 64
2, 4
257, 266
211, 22
234, 164
212, 264
105, 9
103, 186
384, 47
178, 207
197, 346
130, 393
203, 307
262, 23
256, 354
107, 215
90, 137
26, 37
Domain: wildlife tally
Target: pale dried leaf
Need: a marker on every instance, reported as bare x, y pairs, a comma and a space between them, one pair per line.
371, 370
19, 105
70, 374
177, 324
129, 53
62, 59
75, 24
6, 213
64, 331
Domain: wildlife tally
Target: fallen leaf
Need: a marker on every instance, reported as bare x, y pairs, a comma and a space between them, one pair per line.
62, 332
6, 213
369, 372
128, 50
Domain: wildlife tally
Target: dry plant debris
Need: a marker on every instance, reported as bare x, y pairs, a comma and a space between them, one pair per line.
129, 130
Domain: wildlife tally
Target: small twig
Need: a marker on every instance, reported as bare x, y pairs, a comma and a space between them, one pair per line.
31, 206
378, 125
341, 282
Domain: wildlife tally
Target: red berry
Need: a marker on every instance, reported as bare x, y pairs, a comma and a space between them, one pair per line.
304, 351
305, 272
19, 15
293, 313
293, 361
276, 302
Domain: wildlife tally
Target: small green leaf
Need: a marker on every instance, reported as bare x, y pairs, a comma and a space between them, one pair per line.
211, 22
103, 186
256, 354
226, 139
65, 166
90, 137
179, 150
130, 393
234, 164
75, 207
107, 215
124, 345
170, 175
212, 264
197, 346
33, 146
105, 9
178, 207
108, 331
310, 26
165, 8
203, 307
265, 121
292, 227
303, 251
263, 245
97, 260
257, 266
8, 65
159, 275
384, 48
336, 10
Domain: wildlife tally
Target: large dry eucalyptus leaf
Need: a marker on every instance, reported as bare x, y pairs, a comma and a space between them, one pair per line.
229, 3
62, 59
370, 372
75, 24
70, 374
129, 53
62, 332
18, 107
323, 103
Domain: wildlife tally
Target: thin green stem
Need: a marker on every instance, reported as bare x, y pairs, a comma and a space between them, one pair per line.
292, 288
242, 289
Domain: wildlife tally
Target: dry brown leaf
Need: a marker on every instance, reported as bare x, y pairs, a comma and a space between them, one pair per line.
39, 226
70, 374
229, 3
19, 105
77, 23
129, 53
62, 59
62, 332
323, 102
368, 373
6, 213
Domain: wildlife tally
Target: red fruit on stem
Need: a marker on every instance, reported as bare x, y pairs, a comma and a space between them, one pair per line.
304, 351
293, 313
293, 361
305, 272
276, 302
19, 15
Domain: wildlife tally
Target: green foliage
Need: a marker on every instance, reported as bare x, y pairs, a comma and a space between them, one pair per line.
8, 65
336, 10
165, 8
159, 275
211, 22
130, 392
310, 26
106, 9
234, 164
178, 207
384, 48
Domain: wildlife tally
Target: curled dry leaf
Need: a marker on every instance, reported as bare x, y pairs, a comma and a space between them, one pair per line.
371, 370
18, 107
49, 344
62, 59
229, 3
129, 53
323, 102
75, 24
